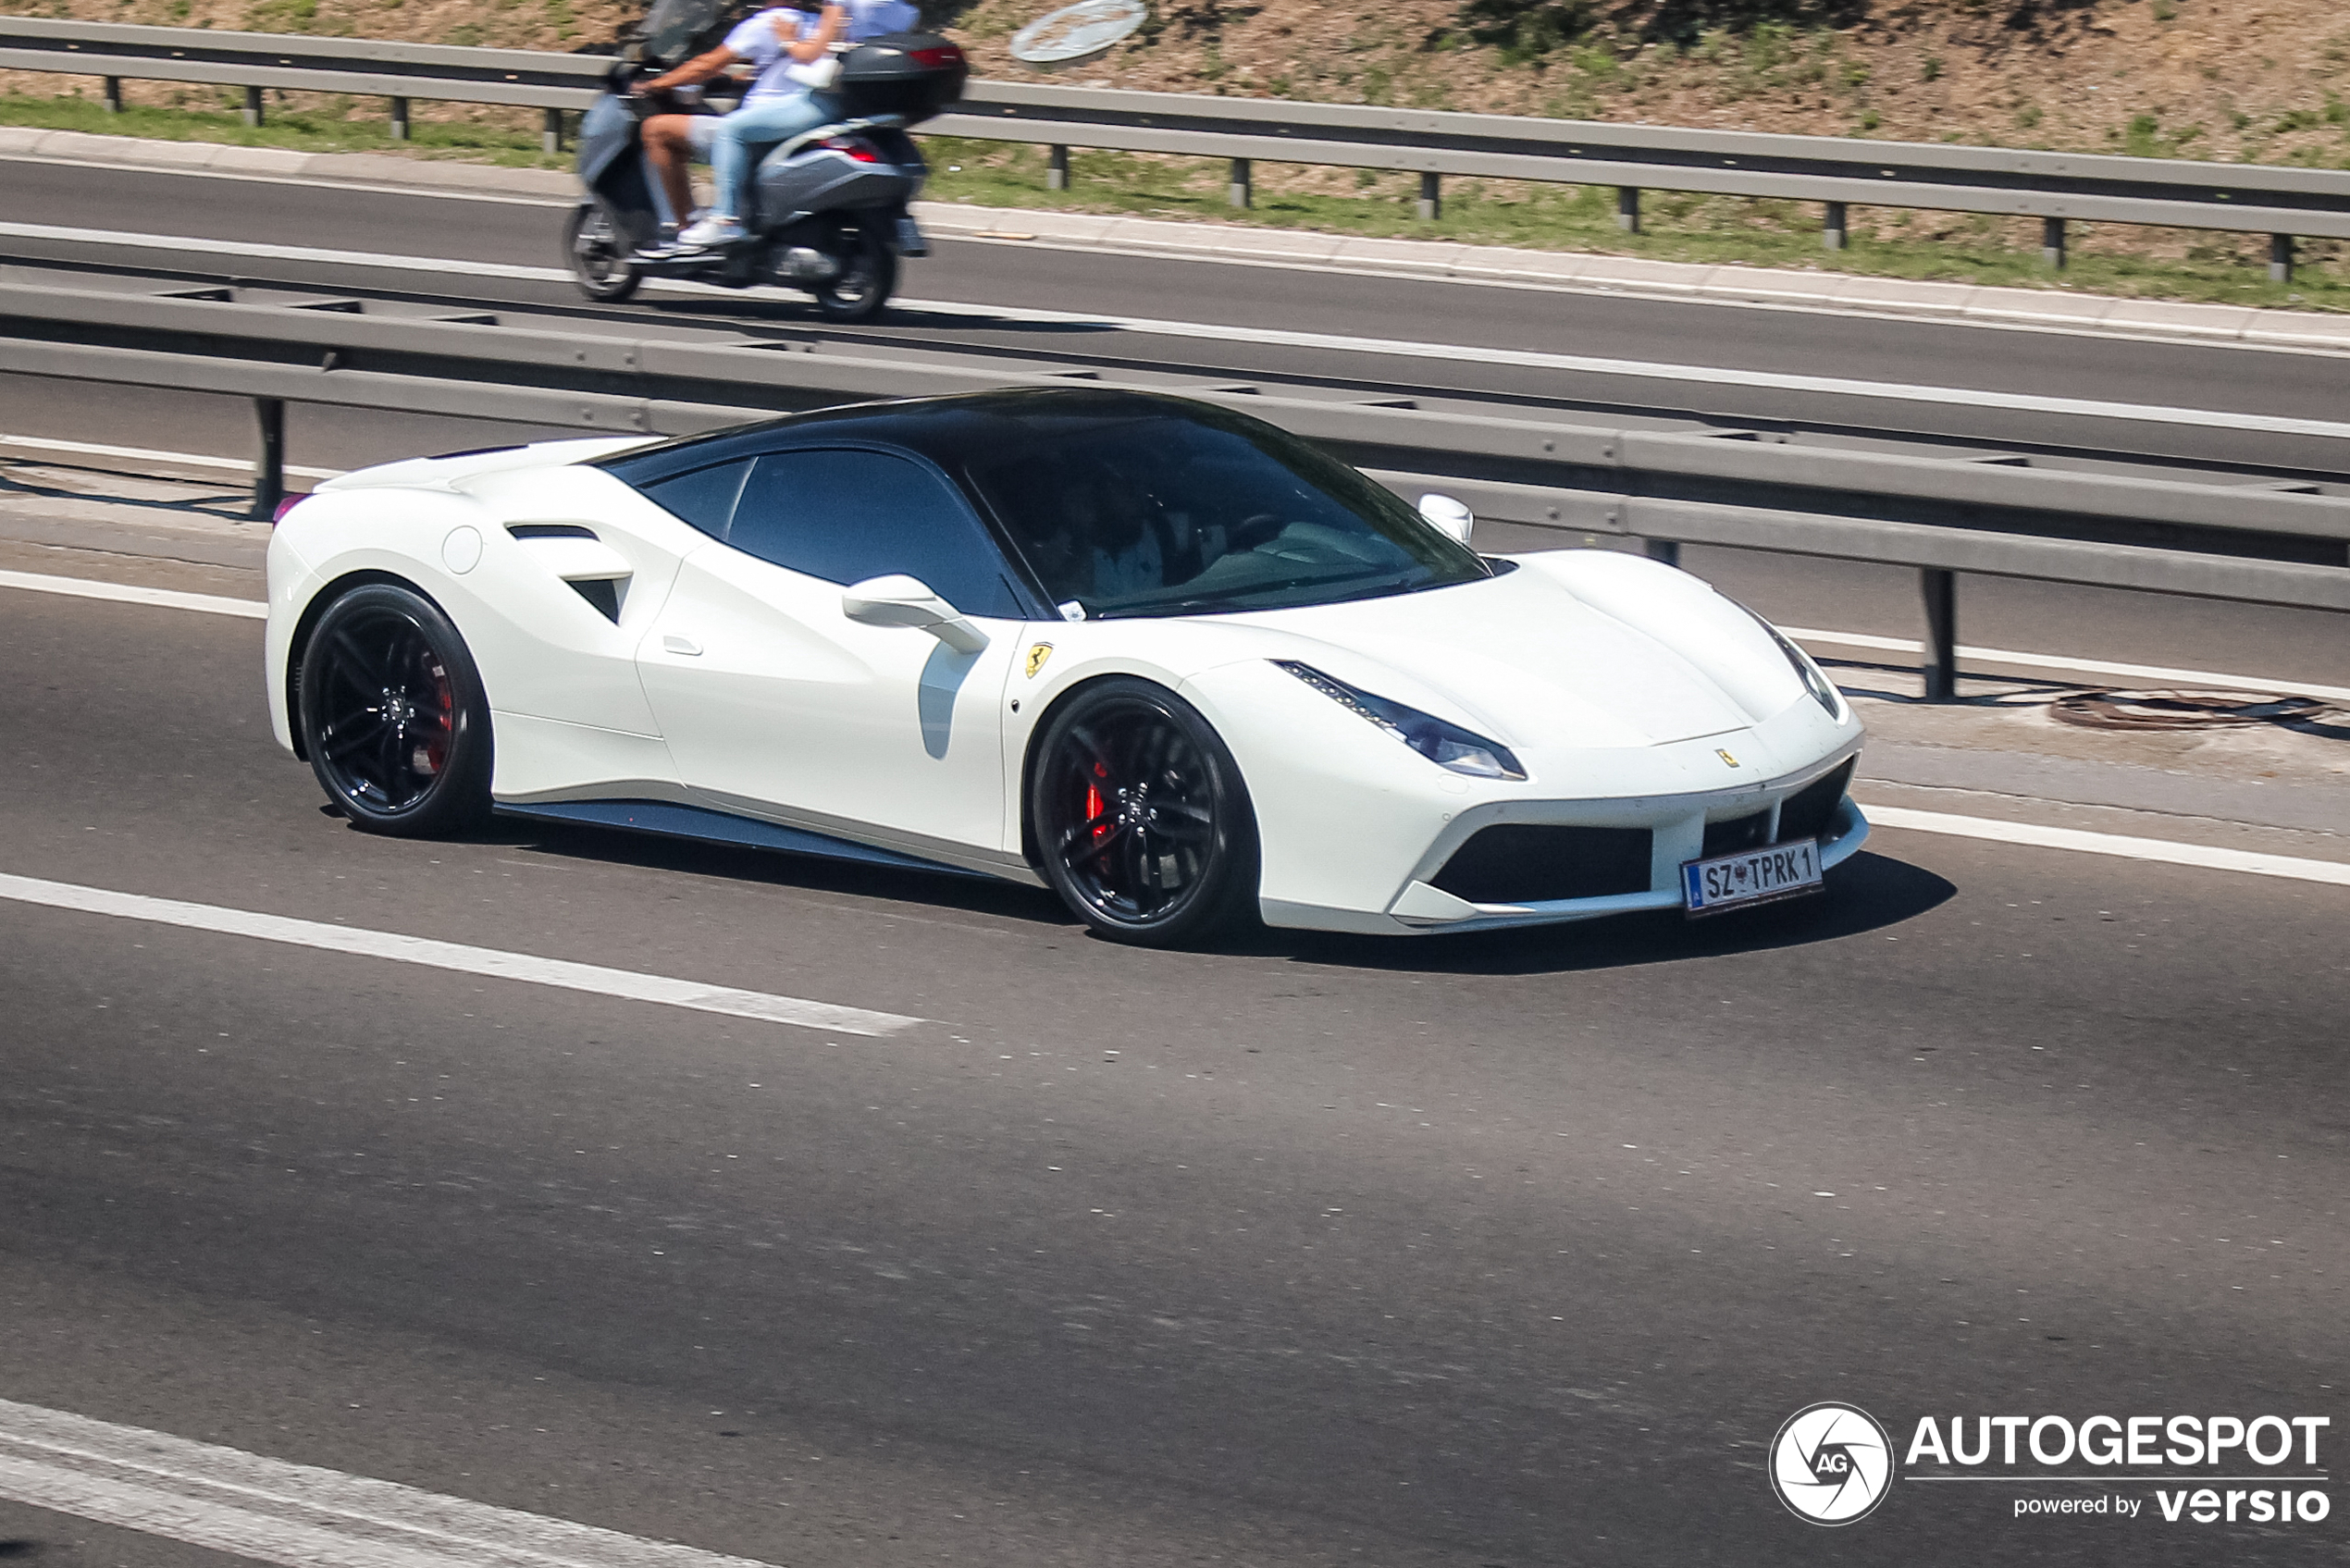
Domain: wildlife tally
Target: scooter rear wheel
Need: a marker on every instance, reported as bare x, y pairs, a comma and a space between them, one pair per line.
865, 284
598, 254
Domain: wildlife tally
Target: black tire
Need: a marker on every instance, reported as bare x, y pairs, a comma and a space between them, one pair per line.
1141, 820
392, 715
866, 284
597, 252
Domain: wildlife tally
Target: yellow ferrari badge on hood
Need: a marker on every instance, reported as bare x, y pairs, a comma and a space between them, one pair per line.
1718, 750
1037, 654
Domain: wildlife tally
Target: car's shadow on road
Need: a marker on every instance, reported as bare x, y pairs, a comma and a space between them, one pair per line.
1866, 894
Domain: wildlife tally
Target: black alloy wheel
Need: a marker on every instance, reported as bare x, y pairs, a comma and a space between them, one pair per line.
392, 715
868, 276
1143, 826
598, 253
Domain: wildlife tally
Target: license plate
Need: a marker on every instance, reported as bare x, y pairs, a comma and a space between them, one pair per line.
1757, 876
911, 241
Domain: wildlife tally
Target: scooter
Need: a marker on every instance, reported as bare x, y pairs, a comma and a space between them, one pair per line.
827, 210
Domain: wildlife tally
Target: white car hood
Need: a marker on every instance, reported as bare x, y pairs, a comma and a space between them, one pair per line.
1522, 657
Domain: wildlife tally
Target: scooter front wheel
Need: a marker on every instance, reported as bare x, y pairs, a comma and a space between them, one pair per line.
598, 254
865, 284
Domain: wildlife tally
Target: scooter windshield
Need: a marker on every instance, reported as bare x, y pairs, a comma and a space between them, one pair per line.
672, 28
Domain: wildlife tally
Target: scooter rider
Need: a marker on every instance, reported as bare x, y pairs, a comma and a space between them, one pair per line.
789, 50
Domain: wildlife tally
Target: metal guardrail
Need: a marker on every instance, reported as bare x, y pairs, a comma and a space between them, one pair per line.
1940, 516
2057, 187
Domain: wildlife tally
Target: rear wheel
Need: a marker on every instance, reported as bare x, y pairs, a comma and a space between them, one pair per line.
1143, 824
866, 282
598, 253
392, 715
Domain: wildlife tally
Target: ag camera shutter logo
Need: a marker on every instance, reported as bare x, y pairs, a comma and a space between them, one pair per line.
1831, 1463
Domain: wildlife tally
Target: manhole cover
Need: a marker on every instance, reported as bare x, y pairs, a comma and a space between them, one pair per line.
1076, 32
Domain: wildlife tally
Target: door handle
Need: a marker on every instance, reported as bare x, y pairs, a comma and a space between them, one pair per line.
671, 643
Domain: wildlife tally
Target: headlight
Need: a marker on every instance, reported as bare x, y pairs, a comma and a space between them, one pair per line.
1823, 691
1446, 744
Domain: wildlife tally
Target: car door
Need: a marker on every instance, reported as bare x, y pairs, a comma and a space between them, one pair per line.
773, 701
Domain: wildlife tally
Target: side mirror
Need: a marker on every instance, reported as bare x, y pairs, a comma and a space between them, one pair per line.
1448, 516
900, 600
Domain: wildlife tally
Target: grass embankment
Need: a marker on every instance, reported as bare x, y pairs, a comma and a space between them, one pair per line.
2217, 268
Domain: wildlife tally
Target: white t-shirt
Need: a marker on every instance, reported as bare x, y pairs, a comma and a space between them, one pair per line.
759, 39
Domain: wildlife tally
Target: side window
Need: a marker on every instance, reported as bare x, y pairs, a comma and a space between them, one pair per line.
845, 516
704, 498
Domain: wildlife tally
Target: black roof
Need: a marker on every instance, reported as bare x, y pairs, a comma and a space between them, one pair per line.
950, 431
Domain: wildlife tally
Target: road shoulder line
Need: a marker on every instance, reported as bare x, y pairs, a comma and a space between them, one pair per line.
2124, 846
296, 1515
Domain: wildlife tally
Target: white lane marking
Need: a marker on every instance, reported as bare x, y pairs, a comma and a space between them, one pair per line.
2154, 672
148, 455
1450, 353
297, 1515
2124, 844
525, 966
127, 593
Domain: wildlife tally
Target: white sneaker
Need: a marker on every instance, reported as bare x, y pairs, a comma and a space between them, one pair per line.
711, 231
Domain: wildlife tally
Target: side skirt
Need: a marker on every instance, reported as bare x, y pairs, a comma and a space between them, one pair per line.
666, 820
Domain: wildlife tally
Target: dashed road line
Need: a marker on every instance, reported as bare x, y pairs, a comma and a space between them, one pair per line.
132, 593
529, 968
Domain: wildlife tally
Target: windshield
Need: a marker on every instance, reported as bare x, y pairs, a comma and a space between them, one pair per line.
1166, 514
672, 28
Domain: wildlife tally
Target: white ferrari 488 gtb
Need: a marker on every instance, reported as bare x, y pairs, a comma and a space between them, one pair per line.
1182, 667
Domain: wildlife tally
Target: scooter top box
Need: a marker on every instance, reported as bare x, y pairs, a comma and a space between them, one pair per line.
913, 74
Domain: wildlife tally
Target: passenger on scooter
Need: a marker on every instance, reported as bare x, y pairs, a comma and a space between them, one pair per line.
788, 50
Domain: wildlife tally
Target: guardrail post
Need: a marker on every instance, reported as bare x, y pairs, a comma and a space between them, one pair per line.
1941, 590
1431, 204
2280, 258
1665, 550
253, 105
550, 136
1239, 192
1832, 234
269, 468
400, 119
2052, 241
1056, 168
114, 94
1627, 208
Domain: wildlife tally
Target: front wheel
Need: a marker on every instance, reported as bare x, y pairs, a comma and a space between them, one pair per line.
1141, 820
393, 719
598, 254
866, 283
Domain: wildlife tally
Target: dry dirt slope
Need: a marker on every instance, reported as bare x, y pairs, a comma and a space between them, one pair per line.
2254, 80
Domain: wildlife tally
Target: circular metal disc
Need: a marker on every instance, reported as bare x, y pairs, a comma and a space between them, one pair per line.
1076, 32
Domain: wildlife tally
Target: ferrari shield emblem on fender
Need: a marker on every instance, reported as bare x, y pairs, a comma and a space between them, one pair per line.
1037, 654
1718, 750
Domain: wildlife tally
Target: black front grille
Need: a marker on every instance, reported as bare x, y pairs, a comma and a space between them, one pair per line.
1530, 863
1809, 810
1738, 833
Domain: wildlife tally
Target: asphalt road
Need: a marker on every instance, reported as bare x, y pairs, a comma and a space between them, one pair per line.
1511, 1250
1732, 337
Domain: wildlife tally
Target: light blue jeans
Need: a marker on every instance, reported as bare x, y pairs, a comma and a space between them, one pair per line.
734, 143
